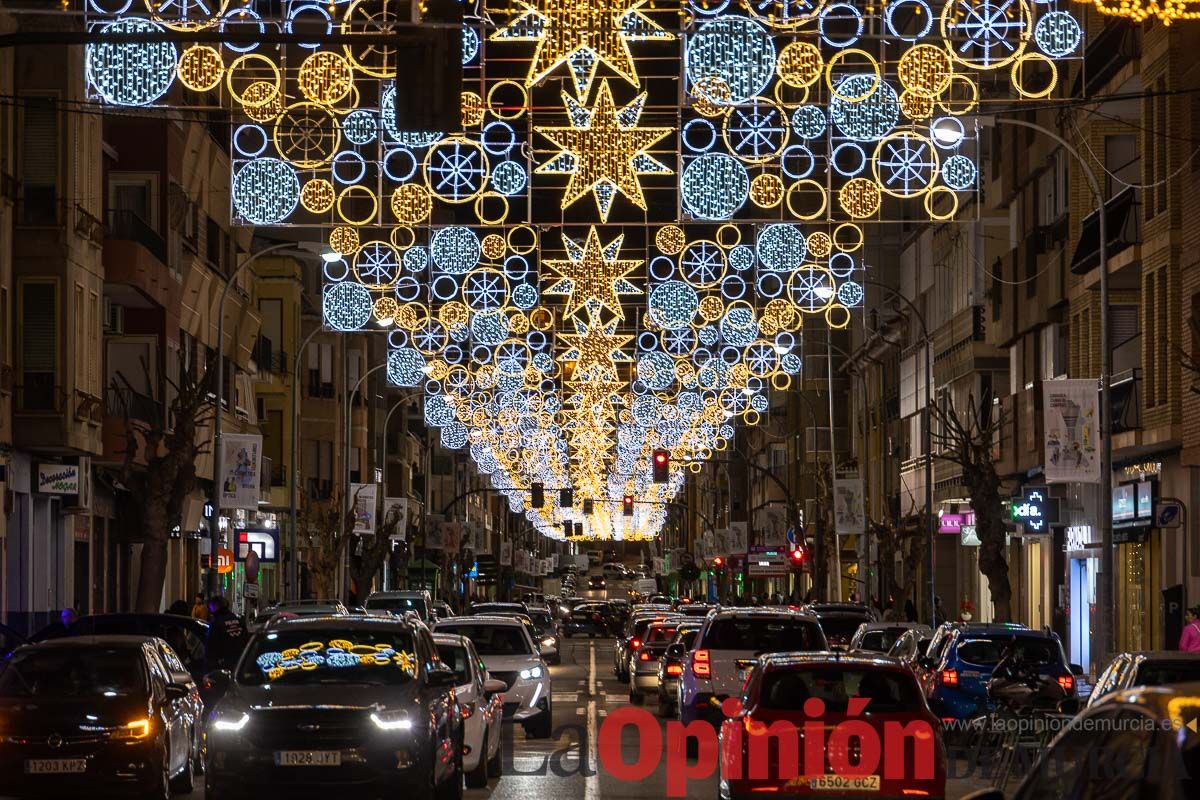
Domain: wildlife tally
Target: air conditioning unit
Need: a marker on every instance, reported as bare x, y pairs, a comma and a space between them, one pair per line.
114, 317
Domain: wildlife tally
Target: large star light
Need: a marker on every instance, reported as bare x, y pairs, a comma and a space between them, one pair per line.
604, 150
595, 348
593, 273
582, 34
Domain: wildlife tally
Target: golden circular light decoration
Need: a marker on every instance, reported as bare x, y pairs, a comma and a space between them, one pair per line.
848, 237
685, 371
496, 199
271, 106
768, 324
799, 64
462, 143
781, 381
751, 417
352, 195
408, 317
317, 196
916, 107
711, 95
952, 101
515, 236
373, 17
766, 190
784, 312
377, 265
385, 309
200, 68
819, 244
925, 70
325, 78
454, 313
411, 203
249, 69
806, 184
934, 164
518, 324
670, 239
1019, 77
729, 236
541, 318
510, 111
307, 135
472, 109
931, 199
789, 96
437, 368
860, 198
343, 240
836, 61
837, 316
711, 307
493, 246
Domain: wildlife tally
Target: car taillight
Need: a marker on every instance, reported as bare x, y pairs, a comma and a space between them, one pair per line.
674, 669
1067, 682
701, 665
634, 644
645, 656
948, 677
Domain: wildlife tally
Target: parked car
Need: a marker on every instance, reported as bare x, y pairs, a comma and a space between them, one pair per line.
510, 655
481, 700
670, 666
959, 690
587, 619
1152, 750
442, 611
728, 646
941, 638
89, 715
1146, 668
399, 602
302, 608
315, 704
776, 691
911, 646
878, 637
840, 621
643, 662
631, 639
699, 610
9, 640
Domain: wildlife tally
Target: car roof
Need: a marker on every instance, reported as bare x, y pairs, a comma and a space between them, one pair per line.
796, 659
1160, 655
475, 619
110, 640
450, 638
726, 612
880, 625
855, 607
340, 621
399, 593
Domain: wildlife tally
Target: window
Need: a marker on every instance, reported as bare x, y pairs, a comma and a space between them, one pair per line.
1150, 303
214, 246
355, 465
273, 445
80, 354
39, 345
1123, 163
39, 161
134, 195
1162, 341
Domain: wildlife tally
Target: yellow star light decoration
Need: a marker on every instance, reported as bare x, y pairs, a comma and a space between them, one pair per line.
595, 348
582, 34
604, 151
593, 273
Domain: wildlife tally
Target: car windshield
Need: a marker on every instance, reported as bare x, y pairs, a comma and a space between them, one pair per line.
659, 634
309, 656
1163, 673
840, 627
1030, 650
74, 672
494, 640
762, 634
399, 605
456, 657
887, 691
881, 640
540, 619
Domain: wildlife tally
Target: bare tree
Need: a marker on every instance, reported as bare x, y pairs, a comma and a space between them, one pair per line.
371, 551
909, 544
159, 467
324, 528
968, 439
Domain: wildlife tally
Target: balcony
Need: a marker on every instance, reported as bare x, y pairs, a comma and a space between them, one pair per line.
1117, 44
135, 255
1123, 216
269, 360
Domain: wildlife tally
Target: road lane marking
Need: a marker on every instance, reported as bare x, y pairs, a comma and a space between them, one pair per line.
565, 697
592, 782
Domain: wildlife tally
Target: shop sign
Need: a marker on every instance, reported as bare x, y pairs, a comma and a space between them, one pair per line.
1145, 499
767, 561
1124, 503
1168, 514
1078, 537
1035, 510
263, 542
967, 537
953, 523
58, 478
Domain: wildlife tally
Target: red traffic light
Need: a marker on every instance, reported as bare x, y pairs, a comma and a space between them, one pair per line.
628, 503
718, 562
660, 457
661, 463
797, 555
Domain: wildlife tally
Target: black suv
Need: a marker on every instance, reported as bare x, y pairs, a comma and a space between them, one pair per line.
326, 704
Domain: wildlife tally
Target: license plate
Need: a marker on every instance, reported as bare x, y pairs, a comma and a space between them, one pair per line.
844, 783
309, 758
56, 766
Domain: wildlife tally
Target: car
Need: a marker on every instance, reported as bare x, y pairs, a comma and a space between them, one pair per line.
596, 583
776, 695
1145, 668
728, 645
510, 655
941, 637
442, 611
693, 610
547, 635
631, 639
878, 637
958, 689
398, 602
586, 619
839, 621
496, 608
319, 703
89, 715
670, 665
481, 700
290, 609
643, 662
614, 571
10, 640
910, 646
1135, 743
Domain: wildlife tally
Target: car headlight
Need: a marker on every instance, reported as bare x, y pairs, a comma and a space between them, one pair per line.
532, 672
138, 729
231, 723
392, 720
548, 641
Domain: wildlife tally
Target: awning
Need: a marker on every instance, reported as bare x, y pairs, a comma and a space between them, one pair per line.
1124, 230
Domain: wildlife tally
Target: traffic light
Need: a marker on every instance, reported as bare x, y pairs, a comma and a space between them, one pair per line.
537, 495
587, 505
568, 528
796, 557
628, 503
566, 498
662, 466
718, 562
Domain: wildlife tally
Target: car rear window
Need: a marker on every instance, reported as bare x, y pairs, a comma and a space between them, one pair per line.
840, 627
455, 657
394, 604
659, 634
887, 691
988, 652
74, 672
763, 634
1162, 673
493, 640
880, 640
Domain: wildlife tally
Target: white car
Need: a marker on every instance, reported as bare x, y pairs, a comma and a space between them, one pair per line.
510, 655
727, 647
481, 700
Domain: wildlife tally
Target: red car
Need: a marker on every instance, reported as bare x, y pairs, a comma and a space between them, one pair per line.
877, 737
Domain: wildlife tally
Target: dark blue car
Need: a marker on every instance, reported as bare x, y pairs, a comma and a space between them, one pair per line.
958, 673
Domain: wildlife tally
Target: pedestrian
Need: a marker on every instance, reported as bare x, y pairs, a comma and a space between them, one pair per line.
226, 634
1189, 642
180, 608
68, 617
939, 613
199, 608
856, 596
910, 610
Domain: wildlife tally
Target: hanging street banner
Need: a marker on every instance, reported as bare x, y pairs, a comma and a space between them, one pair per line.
505, 554
738, 536
366, 501
399, 507
1071, 421
241, 466
849, 516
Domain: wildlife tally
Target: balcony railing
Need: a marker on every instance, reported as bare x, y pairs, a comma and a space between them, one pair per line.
124, 402
269, 360
127, 225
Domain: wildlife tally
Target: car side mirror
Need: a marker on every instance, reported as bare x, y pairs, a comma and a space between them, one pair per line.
492, 686
546, 650
217, 680
441, 676
1076, 669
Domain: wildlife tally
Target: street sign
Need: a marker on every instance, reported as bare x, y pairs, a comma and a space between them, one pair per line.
767, 562
250, 591
1168, 514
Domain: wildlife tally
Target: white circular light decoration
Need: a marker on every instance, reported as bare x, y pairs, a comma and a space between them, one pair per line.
242, 20
913, 9
360, 127
673, 304
741, 257
735, 50
1057, 34
838, 13
455, 250
265, 191
415, 259
399, 164
509, 178
947, 132
498, 138
714, 186
131, 73
699, 135
809, 122
782, 247
525, 296
797, 162
470, 44
346, 306
405, 367
850, 294
959, 173
250, 140
871, 117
